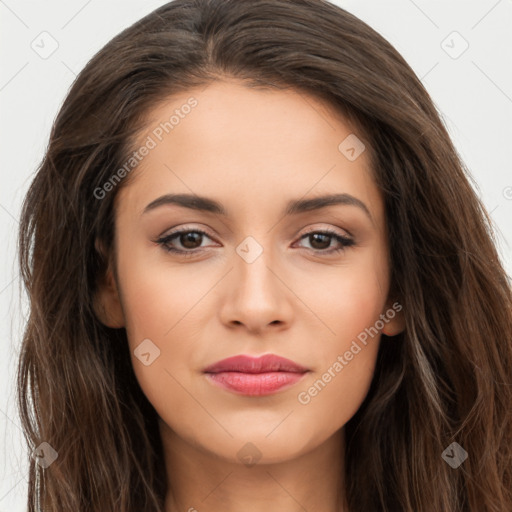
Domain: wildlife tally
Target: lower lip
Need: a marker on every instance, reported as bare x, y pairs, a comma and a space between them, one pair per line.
255, 384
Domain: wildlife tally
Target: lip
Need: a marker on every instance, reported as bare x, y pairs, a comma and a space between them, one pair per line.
255, 376
263, 364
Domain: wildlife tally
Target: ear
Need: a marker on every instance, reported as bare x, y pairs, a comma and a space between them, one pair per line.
394, 313
107, 304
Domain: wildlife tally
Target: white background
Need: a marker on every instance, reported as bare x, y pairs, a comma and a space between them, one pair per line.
473, 92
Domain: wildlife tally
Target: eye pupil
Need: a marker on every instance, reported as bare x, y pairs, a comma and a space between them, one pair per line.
315, 239
190, 237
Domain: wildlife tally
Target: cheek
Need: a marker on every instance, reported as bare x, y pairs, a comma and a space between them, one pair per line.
163, 305
345, 358
157, 300
349, 304
156, 311
338, 390
346, 299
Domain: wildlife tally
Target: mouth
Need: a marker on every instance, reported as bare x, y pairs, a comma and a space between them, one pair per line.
255, 376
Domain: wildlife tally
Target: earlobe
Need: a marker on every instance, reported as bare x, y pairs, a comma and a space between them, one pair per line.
396, 323
107, 304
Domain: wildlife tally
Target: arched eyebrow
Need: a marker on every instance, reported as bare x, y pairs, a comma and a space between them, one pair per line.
293, 207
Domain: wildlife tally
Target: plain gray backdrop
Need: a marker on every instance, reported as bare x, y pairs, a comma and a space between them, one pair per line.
461, 50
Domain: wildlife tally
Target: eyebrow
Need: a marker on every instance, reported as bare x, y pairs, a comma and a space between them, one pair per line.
293, 207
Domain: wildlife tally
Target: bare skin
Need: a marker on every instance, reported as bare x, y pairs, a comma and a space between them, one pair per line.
253, 151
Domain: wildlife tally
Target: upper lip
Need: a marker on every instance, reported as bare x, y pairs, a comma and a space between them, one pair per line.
249, 364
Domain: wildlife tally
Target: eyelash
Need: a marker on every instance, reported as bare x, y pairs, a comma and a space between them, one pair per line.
164, 241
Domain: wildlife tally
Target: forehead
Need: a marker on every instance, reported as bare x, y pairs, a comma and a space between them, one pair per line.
258, 146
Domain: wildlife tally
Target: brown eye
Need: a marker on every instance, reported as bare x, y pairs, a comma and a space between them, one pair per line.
189, 241
320, 241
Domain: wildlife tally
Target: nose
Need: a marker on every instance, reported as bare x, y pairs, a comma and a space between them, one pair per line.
256, 295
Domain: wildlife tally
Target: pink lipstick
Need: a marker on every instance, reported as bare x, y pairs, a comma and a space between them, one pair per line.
255, 376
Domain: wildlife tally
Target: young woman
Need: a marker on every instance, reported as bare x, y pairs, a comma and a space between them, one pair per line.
259, 279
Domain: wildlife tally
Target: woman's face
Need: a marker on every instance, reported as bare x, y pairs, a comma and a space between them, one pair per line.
249, 281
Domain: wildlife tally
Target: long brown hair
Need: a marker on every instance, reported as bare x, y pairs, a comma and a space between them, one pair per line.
447, 378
